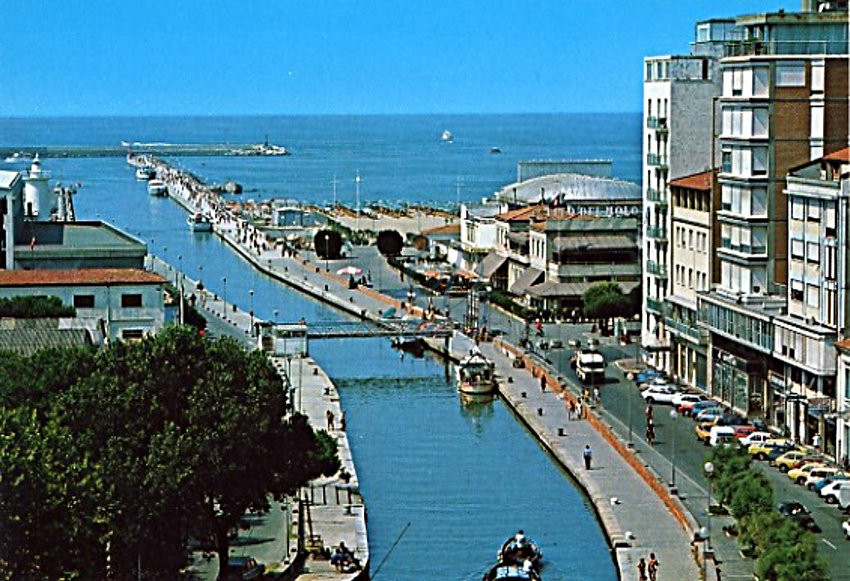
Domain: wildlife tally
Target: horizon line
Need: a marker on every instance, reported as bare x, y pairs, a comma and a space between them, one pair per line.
437, 114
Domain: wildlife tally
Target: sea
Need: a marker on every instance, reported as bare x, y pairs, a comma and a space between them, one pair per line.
444, 482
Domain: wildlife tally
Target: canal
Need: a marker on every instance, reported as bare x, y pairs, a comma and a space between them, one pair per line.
464, 477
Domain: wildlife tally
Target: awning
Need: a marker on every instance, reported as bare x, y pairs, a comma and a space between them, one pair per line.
550, 289
528, 278
492, 263
613, 242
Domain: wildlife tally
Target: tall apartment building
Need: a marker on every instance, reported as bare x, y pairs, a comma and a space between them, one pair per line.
679, 95
784, 102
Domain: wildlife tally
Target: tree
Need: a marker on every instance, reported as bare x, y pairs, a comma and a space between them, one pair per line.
183, 434
328, 244
606, 301
390, 243
751, 495
35, 307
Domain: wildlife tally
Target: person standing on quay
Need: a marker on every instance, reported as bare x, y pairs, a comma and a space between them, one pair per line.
588, 456
330, 416
652, 567
641, 567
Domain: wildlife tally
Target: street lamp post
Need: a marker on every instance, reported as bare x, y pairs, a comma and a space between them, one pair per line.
709, 471
673, 416
357, 185
251, 293
224, 297
180, 289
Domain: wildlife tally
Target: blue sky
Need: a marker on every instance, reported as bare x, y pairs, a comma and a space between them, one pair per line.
217, 57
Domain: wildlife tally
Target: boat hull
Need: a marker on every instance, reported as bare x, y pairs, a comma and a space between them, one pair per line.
480, 388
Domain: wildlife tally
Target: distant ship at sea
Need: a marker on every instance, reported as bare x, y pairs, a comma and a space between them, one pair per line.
447, 136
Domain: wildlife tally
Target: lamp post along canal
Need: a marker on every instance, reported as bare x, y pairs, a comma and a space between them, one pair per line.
251, 293
708, 467
224, 297
673, 416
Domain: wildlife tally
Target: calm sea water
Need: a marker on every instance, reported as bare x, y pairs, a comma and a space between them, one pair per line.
399, 158
463, 477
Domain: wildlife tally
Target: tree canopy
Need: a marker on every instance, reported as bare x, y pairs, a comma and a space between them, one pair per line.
35, 307
607, 301
137, 449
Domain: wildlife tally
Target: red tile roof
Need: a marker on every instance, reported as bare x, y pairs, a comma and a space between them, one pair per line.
697, 181
840, 155
520, 214
83, 276
843, 345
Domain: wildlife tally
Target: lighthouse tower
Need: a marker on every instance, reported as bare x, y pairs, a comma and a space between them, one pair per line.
37, 195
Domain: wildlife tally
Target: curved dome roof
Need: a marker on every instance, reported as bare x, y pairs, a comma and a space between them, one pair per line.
573, 187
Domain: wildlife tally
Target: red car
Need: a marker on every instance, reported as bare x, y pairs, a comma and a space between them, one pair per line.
743, 431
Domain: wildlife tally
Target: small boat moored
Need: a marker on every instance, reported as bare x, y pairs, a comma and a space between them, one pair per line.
520, 550
157, 187
199, 222
145, 173
503, 572
475, 375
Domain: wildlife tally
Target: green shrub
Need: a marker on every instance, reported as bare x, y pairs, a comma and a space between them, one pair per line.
25, 307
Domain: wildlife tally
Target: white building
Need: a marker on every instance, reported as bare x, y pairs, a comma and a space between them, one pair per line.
679, 96
478, 235
123, 303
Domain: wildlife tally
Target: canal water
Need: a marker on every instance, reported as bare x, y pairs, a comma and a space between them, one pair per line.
464, 477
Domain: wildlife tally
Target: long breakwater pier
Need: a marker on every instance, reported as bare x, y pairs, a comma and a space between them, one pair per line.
159, 149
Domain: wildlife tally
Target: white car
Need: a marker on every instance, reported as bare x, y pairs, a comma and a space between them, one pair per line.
756, 438
845, 526
831, 491
683, 397
660, 394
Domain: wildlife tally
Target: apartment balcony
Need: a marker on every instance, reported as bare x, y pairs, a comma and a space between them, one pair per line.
656, 232
681, 328
759, 249
656, 160
656, 269
656, 306
657, 123
784, 47
658, 197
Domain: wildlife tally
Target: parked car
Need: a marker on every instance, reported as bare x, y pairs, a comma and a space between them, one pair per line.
685, 400
722, 436
801, 515
648, 375
759, 451
799, 475
703, 432
819, 474
710, 415
845, 526
731, 419
660, 394
743, 431
829, 480
702, 405
831, 492
244, 569
756, 437
789, 459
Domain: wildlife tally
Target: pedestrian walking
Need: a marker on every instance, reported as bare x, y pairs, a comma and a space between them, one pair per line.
652, 567
650, 432
330, 416
816, 442
641, 567
579, 409
649, 412
588, 456
543, 382
342, 421
572, 409
596, 398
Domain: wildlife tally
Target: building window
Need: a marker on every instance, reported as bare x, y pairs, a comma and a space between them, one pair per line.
812, 295
83, 301
797, 290
796, 209
813, 252
814, 211
791, 75
797, 247
726, 161
131, 301
132, 334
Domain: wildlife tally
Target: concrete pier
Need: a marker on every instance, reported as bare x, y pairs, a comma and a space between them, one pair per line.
176, 149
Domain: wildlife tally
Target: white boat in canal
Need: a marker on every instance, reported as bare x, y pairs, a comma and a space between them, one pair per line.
475, 375
145, 173
157, 187
200, 222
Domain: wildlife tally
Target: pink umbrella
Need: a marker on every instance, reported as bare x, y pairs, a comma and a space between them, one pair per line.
349, 270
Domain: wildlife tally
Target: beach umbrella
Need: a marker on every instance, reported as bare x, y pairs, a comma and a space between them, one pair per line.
350, 270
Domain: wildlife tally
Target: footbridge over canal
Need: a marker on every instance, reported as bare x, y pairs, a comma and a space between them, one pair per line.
294, 338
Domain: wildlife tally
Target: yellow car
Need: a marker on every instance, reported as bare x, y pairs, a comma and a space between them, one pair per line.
789, 459
703, 431
800, 474
760, 450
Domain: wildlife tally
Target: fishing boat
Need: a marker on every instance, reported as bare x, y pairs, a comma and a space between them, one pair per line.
157, 187
145, 172
475, 375
505, 572
413, 345
495, 150
199, 222
447, 136
520, 550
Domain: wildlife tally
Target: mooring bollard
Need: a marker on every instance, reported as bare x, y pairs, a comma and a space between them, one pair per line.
539, 411
561, 432
523, 395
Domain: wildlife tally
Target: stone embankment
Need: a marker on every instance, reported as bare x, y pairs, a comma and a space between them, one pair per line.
637, 511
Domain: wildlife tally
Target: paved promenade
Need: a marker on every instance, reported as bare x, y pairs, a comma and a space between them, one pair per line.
635, 508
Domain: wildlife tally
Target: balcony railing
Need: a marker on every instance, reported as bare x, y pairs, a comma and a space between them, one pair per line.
784, 47
656, 305
744, 248
656, 269
658, 123
685, 329
656, 196
656, 159
656, 232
